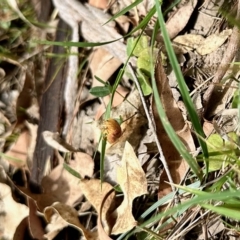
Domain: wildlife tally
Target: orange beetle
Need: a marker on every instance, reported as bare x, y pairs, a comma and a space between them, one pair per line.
111, 130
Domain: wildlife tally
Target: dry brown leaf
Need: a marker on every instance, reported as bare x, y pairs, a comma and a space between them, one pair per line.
43, 200
33, 133
25, 98
35, 225
63, 185
103, 65
132, 180
61, 215
101, 232
95, 192
177, 165
11, 213
21, 230
124, 22
180, 19
203, 23
133, 129
60, 185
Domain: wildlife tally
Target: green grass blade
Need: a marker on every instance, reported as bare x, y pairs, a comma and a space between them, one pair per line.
17, 160
148, 17
144, 22
171, 132
180, 79
72, 171
74, 44
123, 11
220, 196
173, 136
227, 211
182, 85
167, 198
102, 156
167, 126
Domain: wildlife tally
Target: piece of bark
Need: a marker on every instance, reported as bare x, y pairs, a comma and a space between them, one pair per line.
51, 107
43, 9
215, 92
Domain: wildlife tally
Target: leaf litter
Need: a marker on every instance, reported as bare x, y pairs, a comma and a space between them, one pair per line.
132, 157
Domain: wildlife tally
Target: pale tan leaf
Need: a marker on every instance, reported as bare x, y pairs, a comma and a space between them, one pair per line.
208, 128
11, 213
132, 180
63, 185
65, 215
189, 41
95, 192
213, 42
60, 185
103, 65
180, 19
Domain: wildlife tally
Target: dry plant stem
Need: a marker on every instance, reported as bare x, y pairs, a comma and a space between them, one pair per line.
228, 57
195, 222
151, 125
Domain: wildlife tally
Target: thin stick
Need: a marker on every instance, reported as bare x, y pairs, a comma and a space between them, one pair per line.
151, 125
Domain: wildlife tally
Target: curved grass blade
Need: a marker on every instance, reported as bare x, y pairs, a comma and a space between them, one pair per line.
75, 44
181, 83
72, 171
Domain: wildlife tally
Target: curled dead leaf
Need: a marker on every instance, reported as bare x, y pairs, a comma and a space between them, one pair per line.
66, 215
96, 193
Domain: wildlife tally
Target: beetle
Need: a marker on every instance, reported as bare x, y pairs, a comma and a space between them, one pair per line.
111, 130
